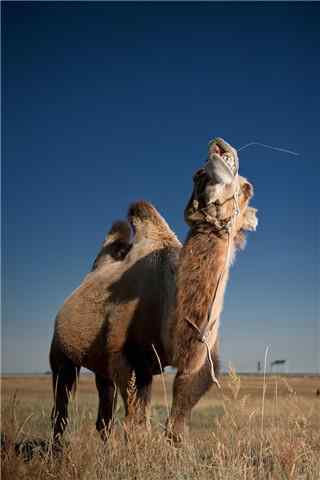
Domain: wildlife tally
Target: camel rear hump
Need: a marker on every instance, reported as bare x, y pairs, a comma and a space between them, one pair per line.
116, 245
120, 231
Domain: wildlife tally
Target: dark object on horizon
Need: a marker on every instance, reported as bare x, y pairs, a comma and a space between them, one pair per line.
318, 392
277, 362
259, 367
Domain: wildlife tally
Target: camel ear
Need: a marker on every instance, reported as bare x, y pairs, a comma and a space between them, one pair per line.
246, 188
250, 219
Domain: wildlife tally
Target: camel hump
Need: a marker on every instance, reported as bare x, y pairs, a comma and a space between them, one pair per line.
144, 211
116, 245
120, 231
147, 222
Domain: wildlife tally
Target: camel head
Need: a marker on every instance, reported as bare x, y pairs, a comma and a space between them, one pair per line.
219, 192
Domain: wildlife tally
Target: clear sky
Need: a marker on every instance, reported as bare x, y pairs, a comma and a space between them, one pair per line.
107, 103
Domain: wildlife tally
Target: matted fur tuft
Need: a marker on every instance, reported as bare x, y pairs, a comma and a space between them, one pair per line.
249, 222
143, 211
120, 230
250, 219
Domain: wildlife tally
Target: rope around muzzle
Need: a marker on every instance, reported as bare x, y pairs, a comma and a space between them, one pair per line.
204, 334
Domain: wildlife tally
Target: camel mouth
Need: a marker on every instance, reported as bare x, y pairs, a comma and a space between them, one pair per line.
225, 157
222, 163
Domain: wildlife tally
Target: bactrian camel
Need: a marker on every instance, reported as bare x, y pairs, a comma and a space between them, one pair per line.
149, 302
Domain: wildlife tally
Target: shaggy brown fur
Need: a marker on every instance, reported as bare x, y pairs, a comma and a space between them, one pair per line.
202, 275
202, 260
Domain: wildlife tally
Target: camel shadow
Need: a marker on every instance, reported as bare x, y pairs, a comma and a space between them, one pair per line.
29, 448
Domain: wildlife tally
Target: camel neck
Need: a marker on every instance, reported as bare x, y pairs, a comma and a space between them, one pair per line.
207, 236
203, 267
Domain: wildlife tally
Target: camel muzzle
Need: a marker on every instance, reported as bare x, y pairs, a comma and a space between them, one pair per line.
222, 167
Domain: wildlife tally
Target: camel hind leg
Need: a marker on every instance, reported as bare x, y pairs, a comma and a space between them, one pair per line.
64, 377
135, 388
136, 394
107, 403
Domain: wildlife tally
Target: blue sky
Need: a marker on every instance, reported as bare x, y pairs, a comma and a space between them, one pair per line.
107, 103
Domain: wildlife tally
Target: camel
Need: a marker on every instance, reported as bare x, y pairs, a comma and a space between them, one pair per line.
142, 305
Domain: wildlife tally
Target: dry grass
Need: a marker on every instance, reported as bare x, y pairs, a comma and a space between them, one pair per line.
228, 439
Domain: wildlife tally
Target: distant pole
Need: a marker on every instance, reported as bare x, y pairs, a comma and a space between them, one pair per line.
259, 367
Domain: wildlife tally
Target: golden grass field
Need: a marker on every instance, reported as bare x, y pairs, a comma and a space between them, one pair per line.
244, 431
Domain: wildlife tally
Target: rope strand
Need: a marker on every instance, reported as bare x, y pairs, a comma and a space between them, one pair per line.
284, 150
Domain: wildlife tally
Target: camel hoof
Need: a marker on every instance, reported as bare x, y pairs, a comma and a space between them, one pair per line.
176, 432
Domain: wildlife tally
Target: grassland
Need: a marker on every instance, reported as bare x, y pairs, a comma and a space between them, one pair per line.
248, 430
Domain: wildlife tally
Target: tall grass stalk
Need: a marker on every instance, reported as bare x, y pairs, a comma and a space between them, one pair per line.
166, 402
263, 399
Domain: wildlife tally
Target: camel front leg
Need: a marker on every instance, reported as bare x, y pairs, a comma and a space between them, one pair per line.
188, 388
